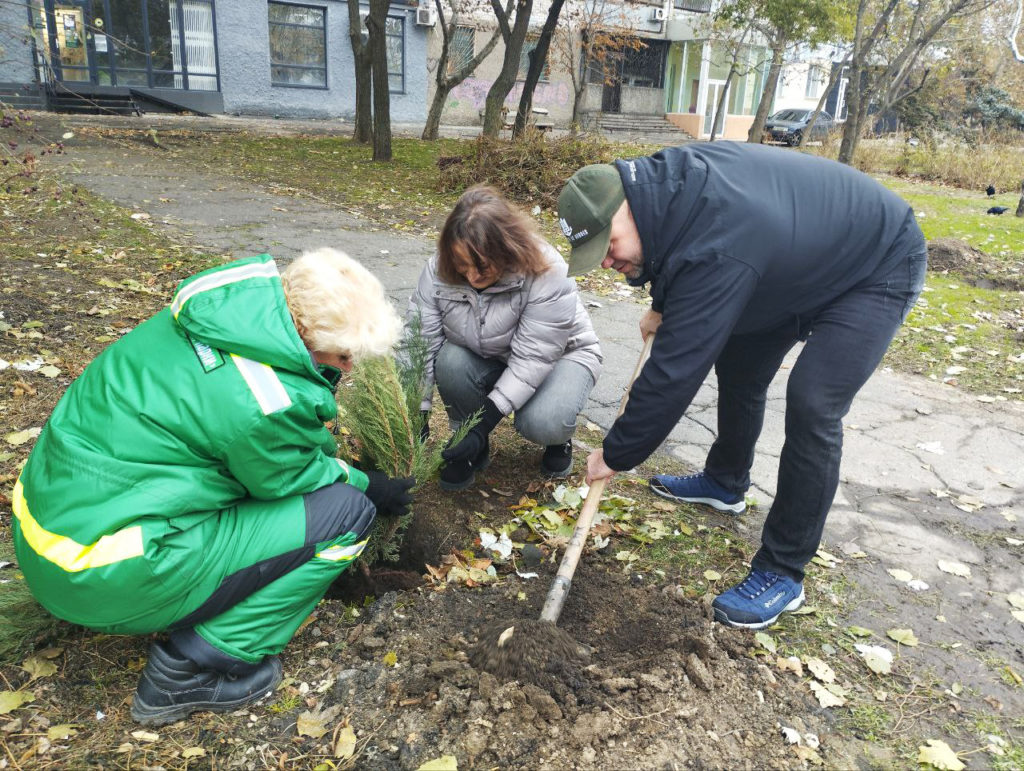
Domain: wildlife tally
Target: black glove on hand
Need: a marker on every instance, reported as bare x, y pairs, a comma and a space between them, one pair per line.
425, 425
391, 496
471, 445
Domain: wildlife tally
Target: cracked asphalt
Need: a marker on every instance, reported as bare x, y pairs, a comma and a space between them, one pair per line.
930, 474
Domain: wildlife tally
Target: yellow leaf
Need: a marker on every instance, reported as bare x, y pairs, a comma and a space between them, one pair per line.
712, 575
193, 752
146, 736
345, 746
11, 700
390, 659
309, 724
37, 667
443, 763
57, 732
940, 755
900, 575
956, 568
903, 636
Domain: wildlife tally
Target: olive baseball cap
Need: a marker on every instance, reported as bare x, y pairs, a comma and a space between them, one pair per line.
586, 206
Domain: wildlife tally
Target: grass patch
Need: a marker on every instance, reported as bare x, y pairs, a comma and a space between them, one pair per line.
949, 212
964, 336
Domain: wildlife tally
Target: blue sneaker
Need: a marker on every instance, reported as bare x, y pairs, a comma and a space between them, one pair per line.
697, 488
758, 600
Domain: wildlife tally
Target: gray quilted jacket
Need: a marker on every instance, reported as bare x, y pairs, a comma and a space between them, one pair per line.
527, 322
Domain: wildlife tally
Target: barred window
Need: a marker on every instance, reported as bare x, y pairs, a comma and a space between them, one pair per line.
461, 49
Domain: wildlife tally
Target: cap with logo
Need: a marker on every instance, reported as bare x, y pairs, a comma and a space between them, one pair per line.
586, 206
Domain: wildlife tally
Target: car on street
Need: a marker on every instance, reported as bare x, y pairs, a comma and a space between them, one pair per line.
788, 126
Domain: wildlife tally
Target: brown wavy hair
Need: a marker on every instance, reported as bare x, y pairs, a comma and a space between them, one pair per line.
490, 231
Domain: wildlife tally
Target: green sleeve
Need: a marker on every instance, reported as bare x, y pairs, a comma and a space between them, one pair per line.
289, 452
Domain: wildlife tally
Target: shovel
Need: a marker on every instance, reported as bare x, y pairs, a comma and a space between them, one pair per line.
503, 652
563, 580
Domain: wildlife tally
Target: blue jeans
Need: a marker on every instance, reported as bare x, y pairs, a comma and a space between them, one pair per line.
464, 380
845, 341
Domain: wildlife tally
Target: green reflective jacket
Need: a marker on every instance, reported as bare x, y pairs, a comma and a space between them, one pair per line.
213, 400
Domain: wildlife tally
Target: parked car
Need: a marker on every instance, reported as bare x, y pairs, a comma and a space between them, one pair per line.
788, 126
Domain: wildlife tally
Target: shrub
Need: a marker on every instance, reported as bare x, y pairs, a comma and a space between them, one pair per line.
530, 171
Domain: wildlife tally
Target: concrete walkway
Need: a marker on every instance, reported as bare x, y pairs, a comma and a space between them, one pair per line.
930, 473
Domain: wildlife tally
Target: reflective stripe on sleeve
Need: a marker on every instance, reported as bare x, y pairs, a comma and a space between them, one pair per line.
222, 278
68, 554
342, 553
264, 384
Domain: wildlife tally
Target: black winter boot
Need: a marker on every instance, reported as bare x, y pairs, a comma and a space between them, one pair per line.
172, 687
459, 476
557, 460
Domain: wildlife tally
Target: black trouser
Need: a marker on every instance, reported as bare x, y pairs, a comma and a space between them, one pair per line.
845, 341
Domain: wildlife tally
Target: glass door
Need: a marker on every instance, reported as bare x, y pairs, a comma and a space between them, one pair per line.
69, 54
715, 89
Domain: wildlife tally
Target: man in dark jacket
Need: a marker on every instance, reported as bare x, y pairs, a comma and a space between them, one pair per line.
749, 250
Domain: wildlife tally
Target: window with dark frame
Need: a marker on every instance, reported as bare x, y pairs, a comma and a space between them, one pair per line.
394, 40
298, 45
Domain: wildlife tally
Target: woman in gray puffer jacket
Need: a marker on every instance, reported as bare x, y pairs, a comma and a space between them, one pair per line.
506, 332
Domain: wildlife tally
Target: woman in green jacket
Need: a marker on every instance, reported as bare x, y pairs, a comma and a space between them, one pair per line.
186, 481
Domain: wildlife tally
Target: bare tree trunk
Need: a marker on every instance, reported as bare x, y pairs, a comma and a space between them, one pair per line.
444, 83
1020, 203
837, 72
514, 38
721, 103
538, 60
851, 129
381, 90
360, 56
756, 133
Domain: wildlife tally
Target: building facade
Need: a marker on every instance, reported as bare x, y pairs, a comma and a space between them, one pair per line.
212, 56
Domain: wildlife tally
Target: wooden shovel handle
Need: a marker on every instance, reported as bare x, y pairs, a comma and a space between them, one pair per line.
563, 580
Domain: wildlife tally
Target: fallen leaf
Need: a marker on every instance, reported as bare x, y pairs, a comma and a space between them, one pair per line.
940, 755
903, 637
956, 568
791, 664
49, 371
146, 736
57, 732
712, 575
826, 697
900, 575
1017, 614
308, 724
345, 745
1016, 600
766, 641
193, 752
11, 700
140, 215
20, 437
859, 631
877, 657
820, 670
37, 667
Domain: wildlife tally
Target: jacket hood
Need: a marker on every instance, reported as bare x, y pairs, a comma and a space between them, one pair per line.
667, 195
240, 308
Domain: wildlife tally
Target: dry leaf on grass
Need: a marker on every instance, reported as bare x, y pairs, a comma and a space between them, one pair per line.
940, 755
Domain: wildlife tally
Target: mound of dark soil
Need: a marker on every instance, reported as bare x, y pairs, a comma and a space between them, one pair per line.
956, 256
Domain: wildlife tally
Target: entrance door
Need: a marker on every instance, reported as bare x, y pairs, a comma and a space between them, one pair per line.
715, 89
68, 43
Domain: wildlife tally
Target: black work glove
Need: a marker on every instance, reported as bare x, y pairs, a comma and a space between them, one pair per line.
473, 442
391, 496
425, 425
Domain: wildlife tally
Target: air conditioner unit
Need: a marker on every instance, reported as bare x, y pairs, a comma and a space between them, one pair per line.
426, 15
658, 14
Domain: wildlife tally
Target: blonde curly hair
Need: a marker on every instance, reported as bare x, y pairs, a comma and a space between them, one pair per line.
338, 306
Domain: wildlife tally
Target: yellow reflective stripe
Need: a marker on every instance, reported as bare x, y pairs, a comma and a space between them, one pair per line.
264, 384
68, 554
222, 278
343, 553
